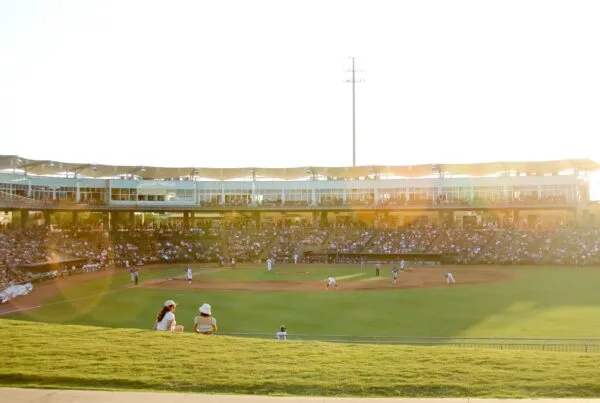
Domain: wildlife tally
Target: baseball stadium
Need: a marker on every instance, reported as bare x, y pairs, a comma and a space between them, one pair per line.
379, 276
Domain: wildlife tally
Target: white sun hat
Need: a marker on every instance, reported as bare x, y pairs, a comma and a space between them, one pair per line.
205, 309
169, 302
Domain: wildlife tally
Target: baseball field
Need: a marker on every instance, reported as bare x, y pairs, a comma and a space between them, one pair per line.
484, 302
526, 302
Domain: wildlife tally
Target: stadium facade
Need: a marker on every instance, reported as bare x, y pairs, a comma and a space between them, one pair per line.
443, 193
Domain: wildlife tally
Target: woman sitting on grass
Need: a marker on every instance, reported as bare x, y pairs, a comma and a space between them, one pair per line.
205, 323
165, 320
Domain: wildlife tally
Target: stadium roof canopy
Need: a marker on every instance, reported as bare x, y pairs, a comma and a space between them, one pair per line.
51, 168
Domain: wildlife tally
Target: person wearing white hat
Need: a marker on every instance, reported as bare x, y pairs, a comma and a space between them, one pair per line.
205, 323
165, 320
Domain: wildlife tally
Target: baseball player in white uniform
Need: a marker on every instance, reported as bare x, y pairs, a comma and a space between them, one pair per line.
295, 258
450, 278
395, 272
402, 264
331, 282
188, 274
269, 264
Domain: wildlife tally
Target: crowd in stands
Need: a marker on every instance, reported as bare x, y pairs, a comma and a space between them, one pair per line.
92, 250
402, 241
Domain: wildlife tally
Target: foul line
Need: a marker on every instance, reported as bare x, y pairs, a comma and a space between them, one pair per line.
30, 308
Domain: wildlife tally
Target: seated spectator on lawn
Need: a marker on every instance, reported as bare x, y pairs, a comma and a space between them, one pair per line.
165, 320
205, 323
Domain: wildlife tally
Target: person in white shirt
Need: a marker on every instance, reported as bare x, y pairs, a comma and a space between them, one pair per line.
331, 282
188, 274
450, 278
295, 258
281, 334
269, 264
205, 323
165, 320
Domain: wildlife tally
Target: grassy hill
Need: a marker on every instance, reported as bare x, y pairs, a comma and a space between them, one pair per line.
69, 356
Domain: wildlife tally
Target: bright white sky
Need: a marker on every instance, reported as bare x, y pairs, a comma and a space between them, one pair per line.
260, 83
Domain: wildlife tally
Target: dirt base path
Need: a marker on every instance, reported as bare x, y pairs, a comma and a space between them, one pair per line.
419, 278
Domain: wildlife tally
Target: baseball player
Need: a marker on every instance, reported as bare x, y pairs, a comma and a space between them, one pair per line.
188, 274
269, 264
377, 267
295, 258
331, 282
450, 278
395, 273
402, 265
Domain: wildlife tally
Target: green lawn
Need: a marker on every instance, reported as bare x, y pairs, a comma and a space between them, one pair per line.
536, 302
66, 356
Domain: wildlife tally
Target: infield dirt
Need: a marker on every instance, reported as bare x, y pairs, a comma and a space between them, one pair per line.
418, 278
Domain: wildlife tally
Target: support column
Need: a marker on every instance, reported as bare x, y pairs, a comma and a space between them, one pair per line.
131, 219
193, 219
315, 219
24, 218
323, 222
256, 218
441, 219
77, 193
106, 221
75, 219
344, 197
376, 196
47, 217
282, 197
186, 220
515, 217
314, 197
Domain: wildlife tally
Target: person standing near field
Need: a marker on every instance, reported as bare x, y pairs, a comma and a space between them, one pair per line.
395, 272
188, 274
136, 276
269, 264
377, 267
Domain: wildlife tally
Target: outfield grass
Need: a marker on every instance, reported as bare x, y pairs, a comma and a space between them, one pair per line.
536, 302
66, 356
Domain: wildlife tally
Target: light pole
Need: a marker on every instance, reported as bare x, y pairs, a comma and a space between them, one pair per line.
353, 81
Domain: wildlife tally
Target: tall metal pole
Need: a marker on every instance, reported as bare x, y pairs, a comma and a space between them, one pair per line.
353, 115
353, 81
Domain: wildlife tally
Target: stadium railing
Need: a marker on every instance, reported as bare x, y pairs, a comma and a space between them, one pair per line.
575, 345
